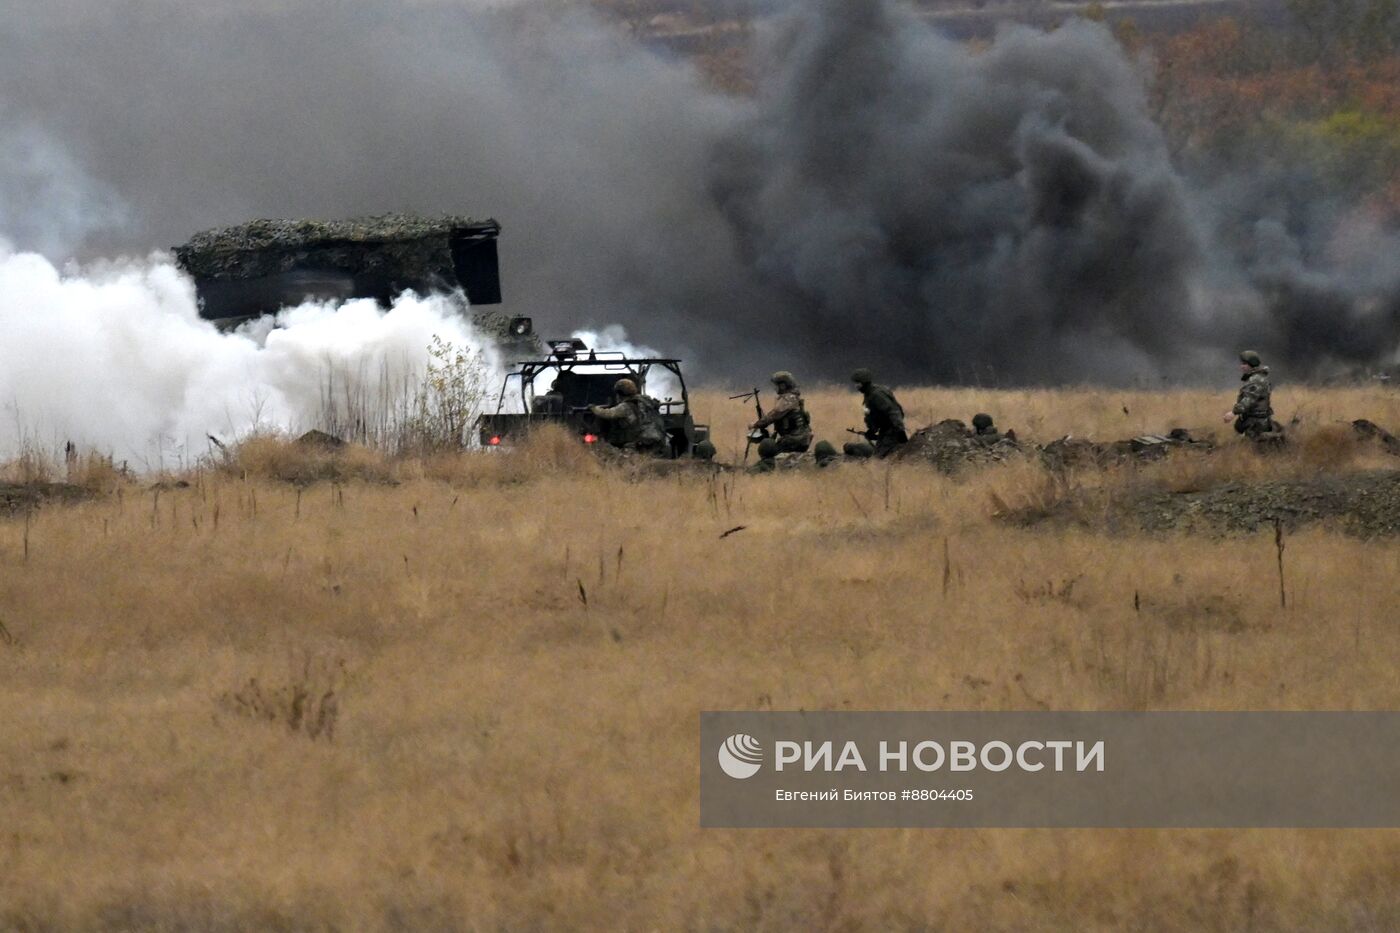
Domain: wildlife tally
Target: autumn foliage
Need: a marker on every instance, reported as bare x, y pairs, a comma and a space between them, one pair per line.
1233, 89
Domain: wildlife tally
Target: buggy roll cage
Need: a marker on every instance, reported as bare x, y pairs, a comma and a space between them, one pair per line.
567, 356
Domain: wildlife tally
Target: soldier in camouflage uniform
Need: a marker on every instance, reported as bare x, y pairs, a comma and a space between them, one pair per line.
635, 422
1253, 413
788, 417
985, 432
884, 419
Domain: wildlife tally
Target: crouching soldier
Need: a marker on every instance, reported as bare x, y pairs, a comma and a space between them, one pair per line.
884, 419
634, 422
984, 431
1253, 413
792, 426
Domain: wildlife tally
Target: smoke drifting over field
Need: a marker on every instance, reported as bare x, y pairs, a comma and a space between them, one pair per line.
887, 198
117, 358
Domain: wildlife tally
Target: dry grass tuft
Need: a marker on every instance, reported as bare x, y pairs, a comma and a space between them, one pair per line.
307, 702
282, 458
547, 451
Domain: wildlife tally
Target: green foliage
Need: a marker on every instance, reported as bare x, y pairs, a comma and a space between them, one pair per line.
1355, 148
450, 398
1357, 129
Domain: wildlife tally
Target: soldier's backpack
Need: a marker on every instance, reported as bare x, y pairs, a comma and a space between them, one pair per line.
651, 426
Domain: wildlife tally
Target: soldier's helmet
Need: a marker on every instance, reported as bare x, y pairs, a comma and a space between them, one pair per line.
767, 449
783, 378
862, 377
1250, 358
625, 387
982, 422
825, 451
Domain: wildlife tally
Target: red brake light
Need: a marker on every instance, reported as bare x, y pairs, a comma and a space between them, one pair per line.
495, 440
590, 438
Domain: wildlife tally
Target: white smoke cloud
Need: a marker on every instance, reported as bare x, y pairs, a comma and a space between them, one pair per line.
116, 358
613, 339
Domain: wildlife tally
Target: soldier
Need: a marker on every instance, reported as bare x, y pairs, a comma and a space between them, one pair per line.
636, 422
789, 419
884, 419
552, 402
984, 430
1253, 413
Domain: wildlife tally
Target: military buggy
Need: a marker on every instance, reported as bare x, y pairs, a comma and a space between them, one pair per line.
573, 377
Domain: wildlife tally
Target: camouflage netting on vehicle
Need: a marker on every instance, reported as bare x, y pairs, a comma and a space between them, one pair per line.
400, 247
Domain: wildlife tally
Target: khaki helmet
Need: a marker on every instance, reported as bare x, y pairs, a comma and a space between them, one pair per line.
862, 377
783, 377
625, 387
1250, 358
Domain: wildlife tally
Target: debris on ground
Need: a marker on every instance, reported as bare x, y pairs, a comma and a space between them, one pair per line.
1372, 431
1070, 451
783, 463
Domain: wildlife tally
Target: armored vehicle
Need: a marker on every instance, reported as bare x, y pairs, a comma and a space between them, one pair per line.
261, 267
574, 377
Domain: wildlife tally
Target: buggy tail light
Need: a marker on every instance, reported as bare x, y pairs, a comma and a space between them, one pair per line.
495, 440
590, 438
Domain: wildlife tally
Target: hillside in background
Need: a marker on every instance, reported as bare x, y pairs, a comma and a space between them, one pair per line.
1312, 82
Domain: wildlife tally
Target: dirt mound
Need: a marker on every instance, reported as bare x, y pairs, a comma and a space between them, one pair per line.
1363, 504
18, 498
1366, 505
319, 440
951, 445
1079, 451
1369, 430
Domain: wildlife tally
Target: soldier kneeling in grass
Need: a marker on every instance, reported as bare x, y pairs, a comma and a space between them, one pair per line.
1253, 413
884, 419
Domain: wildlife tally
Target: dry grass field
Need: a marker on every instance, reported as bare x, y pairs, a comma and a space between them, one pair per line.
464, 693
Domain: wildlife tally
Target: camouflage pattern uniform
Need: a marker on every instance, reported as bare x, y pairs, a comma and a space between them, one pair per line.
635, 421
789, 419
884, 419
1254, 413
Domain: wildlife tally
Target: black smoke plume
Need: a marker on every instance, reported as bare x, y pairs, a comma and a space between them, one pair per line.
887, 198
